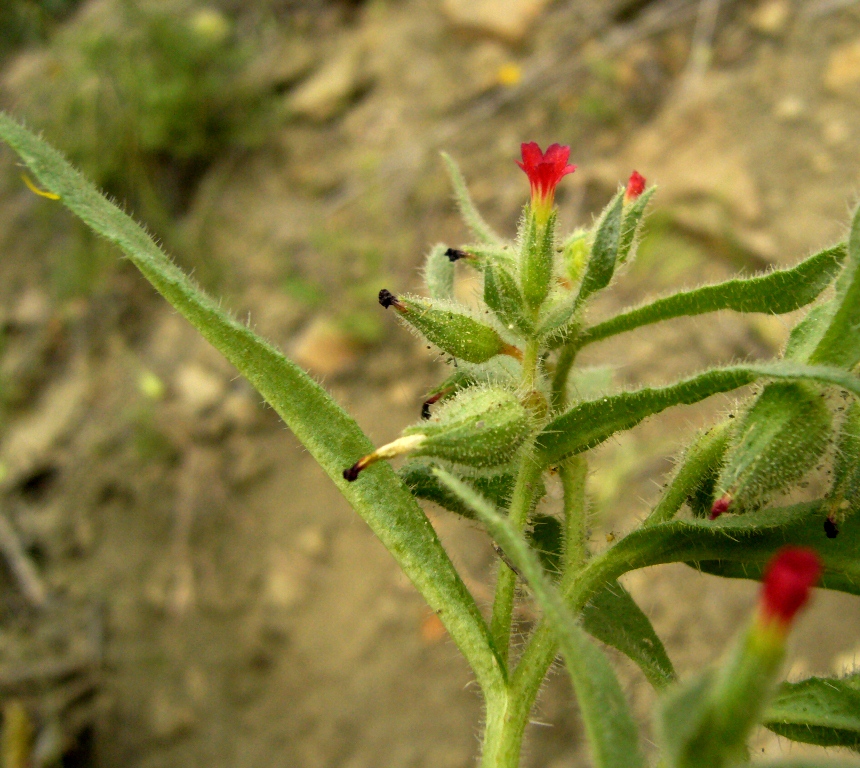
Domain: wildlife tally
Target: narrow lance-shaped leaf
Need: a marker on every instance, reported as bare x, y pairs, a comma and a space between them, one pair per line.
479, 228
774, 293
604, 251
734, 546
331, 436
593, 421
439, 273
823, 711
630, 224
840, 344
611, 731
614, 618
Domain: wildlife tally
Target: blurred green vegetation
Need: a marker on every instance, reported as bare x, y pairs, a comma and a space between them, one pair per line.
144, 98
23, 22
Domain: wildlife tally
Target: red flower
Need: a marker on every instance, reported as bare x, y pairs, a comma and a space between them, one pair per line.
635, 186
545, 170
789, 576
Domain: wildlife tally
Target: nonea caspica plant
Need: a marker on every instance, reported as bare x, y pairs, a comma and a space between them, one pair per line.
508, 415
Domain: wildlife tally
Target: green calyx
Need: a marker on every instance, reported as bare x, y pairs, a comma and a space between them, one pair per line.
479, 427
777, 441
537, 257
450, 327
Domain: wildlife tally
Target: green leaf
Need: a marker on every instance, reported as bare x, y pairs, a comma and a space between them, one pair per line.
696, 476
840, 344
630, 224
611, 731
823, 711
439, 273
329, 434
593, 421
774, 293
736, 546
613, 617
604, 251
422, 481
474, 221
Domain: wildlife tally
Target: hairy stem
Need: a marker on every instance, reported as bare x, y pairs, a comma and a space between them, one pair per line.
521, 504
562, 371
573, 473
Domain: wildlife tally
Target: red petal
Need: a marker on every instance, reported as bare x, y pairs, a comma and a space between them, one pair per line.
531, 155
557, 155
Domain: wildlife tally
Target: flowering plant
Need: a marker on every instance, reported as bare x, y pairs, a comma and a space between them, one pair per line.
508, 415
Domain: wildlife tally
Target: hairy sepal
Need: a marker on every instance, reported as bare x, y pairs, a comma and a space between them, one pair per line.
775, 443
478, 427
452, 328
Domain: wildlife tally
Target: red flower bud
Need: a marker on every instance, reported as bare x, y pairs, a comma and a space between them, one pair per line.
721, 505
789, 576
545, 170
635, 186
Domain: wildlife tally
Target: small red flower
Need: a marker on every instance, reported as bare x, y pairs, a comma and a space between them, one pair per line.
789, 576
635, 186
545, 170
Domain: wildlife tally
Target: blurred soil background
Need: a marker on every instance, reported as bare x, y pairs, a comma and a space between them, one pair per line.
181, 585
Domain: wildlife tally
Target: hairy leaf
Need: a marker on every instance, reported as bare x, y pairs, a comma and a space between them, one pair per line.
329, 434
479, 228
823, 711
611, 731
439, 273
840, 344
614, 618
736, 546
604, 251
593, 421
774, 293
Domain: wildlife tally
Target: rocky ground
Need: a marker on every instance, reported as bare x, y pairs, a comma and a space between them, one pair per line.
199, 593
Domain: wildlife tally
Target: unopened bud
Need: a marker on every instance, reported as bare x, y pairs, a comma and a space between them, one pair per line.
635, 187
788, 580
844, 495
450, 328
778, 441
721, 505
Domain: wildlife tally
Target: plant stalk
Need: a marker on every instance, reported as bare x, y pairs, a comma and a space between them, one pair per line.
521, 503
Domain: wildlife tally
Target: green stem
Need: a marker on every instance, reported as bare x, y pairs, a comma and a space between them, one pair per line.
573, 473
543, 647
562, 371
530, 360
521, 504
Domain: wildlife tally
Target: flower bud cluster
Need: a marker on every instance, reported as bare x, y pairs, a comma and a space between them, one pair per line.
535, 287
